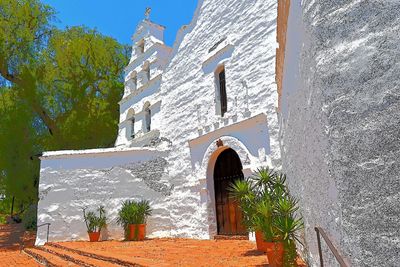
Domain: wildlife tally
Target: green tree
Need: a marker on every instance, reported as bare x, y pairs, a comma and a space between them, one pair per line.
18, 169
59, 89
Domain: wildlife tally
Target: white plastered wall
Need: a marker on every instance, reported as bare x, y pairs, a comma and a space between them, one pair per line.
188, 124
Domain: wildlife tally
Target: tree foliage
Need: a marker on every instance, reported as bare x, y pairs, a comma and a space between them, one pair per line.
59, 89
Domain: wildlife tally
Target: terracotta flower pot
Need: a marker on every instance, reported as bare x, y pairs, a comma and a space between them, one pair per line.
94, 236
260, 241
137, 232
274, 253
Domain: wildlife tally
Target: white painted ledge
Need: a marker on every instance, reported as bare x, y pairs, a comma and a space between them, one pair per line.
94, 152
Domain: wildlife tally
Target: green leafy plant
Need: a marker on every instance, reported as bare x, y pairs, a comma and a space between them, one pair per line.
268, 207
286, 222
263, 218
243, 191
133, 212
93, 222
254, 195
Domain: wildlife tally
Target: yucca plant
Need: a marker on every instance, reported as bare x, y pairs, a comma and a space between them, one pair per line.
243, 192
268, 207
286, 205
133, 212
263, 218
287, 225
251, 193
93, 222
278, 186
286, 221
264, 178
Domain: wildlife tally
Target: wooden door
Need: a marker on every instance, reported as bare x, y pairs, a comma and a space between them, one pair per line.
228, 168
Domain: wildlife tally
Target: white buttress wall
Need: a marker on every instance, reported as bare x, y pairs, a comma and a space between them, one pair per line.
340, 119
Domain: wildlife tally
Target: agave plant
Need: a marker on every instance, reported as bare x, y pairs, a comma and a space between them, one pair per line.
93, 222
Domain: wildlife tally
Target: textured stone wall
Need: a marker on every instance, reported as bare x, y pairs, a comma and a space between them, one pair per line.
340, 125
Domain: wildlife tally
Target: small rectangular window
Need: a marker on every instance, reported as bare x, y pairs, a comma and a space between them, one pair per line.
222, 92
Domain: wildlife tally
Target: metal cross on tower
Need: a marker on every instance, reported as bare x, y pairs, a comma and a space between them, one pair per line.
147, 12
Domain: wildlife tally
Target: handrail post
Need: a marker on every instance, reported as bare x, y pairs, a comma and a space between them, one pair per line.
319, 248
48, 230
335, 252
47, 237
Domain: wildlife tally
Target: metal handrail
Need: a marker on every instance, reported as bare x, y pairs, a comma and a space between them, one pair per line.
335, 252
48, 229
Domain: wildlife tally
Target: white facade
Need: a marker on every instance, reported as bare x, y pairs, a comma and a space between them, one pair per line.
171, 162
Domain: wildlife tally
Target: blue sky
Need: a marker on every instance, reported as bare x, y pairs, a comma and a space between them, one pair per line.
119, 18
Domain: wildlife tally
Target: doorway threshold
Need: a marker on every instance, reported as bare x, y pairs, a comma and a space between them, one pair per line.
231, 237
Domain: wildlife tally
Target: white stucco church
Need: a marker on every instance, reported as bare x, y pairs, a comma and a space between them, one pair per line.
216, 84
246, 84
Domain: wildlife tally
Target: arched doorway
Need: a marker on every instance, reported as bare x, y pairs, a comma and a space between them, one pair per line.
227, 169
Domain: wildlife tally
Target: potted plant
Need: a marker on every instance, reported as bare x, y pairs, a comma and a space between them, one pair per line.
249, 192
243, 191
132, 216
272, 243
95, 223
279, 225
287, 225
270, 211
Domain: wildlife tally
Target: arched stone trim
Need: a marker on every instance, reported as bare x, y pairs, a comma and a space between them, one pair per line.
229, 142
208, 164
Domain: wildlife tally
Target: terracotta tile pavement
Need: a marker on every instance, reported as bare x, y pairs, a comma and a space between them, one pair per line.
15, 258
178, 252
152, 252
10, 238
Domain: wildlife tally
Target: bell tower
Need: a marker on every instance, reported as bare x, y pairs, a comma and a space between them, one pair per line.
140, 104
